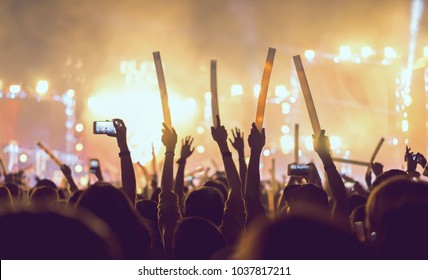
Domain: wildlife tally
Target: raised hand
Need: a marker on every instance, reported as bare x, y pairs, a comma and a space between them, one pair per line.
186, 147
256, 140
411, 159
219, 133
322, 145
169, 138
377, 168
238, 140
66, 171
120, 135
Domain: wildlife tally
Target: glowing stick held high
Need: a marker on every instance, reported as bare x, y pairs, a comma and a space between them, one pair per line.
264, 89
296, 143
50, 154
350, 161
310, 106
376, 150
214, 94
162, 89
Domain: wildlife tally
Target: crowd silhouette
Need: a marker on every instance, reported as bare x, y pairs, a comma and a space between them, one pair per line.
226, 217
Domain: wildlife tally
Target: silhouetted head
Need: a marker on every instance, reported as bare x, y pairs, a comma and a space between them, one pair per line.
46, 183
55, 235
299, 238
155, 195
311, 200
207, 203
197, 239
218, 185
6, 200
112, 206
387, 175
355, 201
148, 209
74, 197
221, 176
15, 191
43, 196
285, 199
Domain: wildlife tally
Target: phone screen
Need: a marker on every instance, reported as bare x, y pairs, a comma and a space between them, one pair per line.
298, 169
94, 163
104, 127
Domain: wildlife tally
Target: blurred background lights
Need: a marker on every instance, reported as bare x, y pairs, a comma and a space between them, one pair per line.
200, 149
256, 91
366, 51
78, 168
79, 127
236, 90
310, 55
78, 147
390, 53
42, 87
23, 157
345, 52
15, 89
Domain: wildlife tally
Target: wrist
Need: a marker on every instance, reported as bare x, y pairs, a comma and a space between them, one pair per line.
181, 161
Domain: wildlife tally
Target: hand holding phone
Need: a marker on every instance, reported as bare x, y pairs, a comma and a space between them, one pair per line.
104, 127
301, 170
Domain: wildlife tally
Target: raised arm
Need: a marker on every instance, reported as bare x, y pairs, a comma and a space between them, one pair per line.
234, 216
129, 183
67, 174
238, 144
256, 141
186, 152
337, 187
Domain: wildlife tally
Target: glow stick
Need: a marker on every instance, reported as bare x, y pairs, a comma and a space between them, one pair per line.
310, 106
377, 150
3, 168
214, 94
264, 88
162, 89
350, 161
50, 154
296, 143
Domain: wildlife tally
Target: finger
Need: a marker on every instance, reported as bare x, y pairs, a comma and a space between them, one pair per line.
191, 151
191, 141
218, 120
233, 133
230, 141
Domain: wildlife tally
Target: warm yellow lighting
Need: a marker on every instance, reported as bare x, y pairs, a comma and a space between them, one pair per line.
236, 90
390, 53
426, 51
366, 51
335, 142
23, 158
42, 87
79, 127
309, 143
256, 91
407, 100
84, 180
200, 130
78, 147
15, 89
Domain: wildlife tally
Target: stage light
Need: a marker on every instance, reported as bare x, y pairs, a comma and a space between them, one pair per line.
287, 143
390, 53
405, 115
309, 143
286, 107
200, 130
366, 51
84, 180
407, 100
405, 126
345, 52
285, 129
357, 60
310, 55
200, 149
395, 141
23, 158
42, 87
70, 93
426, 51
78, 147
281, 91
79, 127
15, 89
406, 141
78, 168
236, 90
256, 91
335, 142
266, 152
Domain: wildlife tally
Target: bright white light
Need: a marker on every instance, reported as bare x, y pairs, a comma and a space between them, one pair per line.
390, 53
78, 168
310, 55
405, 126
200, 149
256, 91
42, 87
83, 181
15, 89
406, 141
309, 143
266, 152
347, 153
407, 100
79, 127
236, 90
335, 142
285, 129
23, 158
395, 141
426, 51
357, 60
200, 130
345, 52
293, 99
287, 143
70, 92
286, 107
78, 147
366, 51
281, 91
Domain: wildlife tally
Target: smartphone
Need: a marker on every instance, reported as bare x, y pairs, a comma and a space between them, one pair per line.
104, 127
94, 164
299, 169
